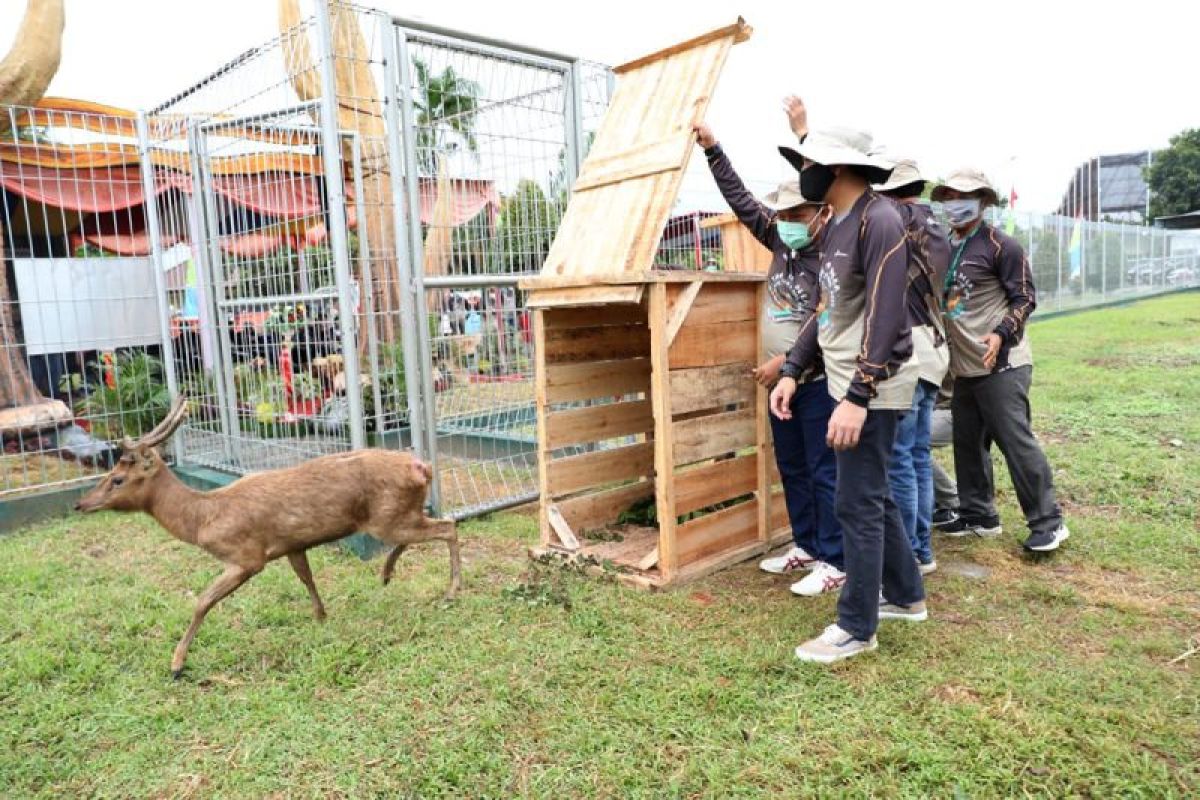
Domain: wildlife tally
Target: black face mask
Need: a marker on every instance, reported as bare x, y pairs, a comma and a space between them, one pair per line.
815, 180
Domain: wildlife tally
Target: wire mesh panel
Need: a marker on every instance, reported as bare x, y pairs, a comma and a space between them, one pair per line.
497, 134
81, 357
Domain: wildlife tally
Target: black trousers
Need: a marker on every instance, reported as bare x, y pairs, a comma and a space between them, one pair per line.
995, 408
877, 552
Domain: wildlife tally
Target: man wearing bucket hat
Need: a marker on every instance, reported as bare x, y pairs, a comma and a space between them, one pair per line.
863, 334
988, 296
911, 470
789, 225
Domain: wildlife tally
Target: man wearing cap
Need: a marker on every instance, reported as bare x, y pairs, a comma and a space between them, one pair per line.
863, 334
988, 296
911, 469
789, 226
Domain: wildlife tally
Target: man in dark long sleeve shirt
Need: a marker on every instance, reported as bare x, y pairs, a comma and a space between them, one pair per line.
988, 296
864, 337
790, 226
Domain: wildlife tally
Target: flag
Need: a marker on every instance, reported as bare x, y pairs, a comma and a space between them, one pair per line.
1010, 221
1075, 248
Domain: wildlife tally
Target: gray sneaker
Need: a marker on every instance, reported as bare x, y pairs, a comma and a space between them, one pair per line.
914, 613
832, 645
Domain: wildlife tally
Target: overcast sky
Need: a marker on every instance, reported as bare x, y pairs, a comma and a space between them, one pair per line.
1026, 90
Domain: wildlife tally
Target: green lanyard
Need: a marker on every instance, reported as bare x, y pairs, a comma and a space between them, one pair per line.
952, 273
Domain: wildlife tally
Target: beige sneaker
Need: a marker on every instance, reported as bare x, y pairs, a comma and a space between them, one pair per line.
832, 645
914, 613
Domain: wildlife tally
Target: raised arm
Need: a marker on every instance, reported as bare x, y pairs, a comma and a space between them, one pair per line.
754, 215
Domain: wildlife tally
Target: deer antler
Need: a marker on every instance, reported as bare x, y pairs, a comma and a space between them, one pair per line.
164, 429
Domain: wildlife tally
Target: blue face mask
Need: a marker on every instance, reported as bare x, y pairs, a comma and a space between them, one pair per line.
795, 235
961, 213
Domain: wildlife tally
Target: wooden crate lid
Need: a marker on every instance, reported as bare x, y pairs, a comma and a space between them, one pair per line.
630, 179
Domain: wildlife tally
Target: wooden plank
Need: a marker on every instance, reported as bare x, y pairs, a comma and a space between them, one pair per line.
572, 474
567, 383
711, 387
715, 482
664, 458
713, 435
567, 345
649, 560
565, 535
720, 302
712, 345
716, 562
595, 510
719, 531
680, 310
596, 316
597, 423
552, 281
540, 406
762, 428
648, 158
778, 513
738, 31
568, 297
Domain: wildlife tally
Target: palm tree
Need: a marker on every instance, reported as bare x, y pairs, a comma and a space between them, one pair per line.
446, 107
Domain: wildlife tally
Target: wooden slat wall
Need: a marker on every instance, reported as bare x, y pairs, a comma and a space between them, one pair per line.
637, 160
713, 533
715, 482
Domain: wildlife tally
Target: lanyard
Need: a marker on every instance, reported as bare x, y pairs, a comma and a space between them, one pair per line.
952, 273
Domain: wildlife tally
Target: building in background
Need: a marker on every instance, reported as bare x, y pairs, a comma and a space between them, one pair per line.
1111, 187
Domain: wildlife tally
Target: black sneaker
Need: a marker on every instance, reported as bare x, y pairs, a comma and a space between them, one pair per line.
943, 517
966, 526
1047, 541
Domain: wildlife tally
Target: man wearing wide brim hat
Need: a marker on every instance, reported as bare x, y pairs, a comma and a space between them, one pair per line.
911, 470
863, 336
790, 225
988, 295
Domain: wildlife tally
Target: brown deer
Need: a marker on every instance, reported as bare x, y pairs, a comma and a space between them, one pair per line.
284, 512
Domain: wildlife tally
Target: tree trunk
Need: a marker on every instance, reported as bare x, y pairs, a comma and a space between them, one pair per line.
16, 384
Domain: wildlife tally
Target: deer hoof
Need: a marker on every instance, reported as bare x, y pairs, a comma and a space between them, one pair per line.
176, 674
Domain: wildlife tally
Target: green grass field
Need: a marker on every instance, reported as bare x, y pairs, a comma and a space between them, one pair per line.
1059, 676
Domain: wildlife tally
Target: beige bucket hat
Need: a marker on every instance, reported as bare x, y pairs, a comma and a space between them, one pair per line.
966, 180
834, 146
906, 172
787, 196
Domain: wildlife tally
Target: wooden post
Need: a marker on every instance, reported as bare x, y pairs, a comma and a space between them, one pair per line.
539, 389
762, 432
664, 450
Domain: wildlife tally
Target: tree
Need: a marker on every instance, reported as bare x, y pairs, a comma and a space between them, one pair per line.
526, 226
25, 73
446, 106
1174, 176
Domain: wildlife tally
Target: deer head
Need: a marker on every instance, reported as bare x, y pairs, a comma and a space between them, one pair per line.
131, 484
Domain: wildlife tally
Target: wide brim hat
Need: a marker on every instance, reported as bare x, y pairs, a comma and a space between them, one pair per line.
966, 180
787, 196
905, 172
844, 146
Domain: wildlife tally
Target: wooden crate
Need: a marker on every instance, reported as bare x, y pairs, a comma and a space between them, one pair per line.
652, 397
740, 251
643, 378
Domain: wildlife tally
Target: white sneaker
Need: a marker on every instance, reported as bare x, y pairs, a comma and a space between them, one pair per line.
792, 560
823, 578
926, 567
832, 645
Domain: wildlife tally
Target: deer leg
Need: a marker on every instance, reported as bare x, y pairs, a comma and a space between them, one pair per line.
299, 562
448, 533
228, 582
390, 564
